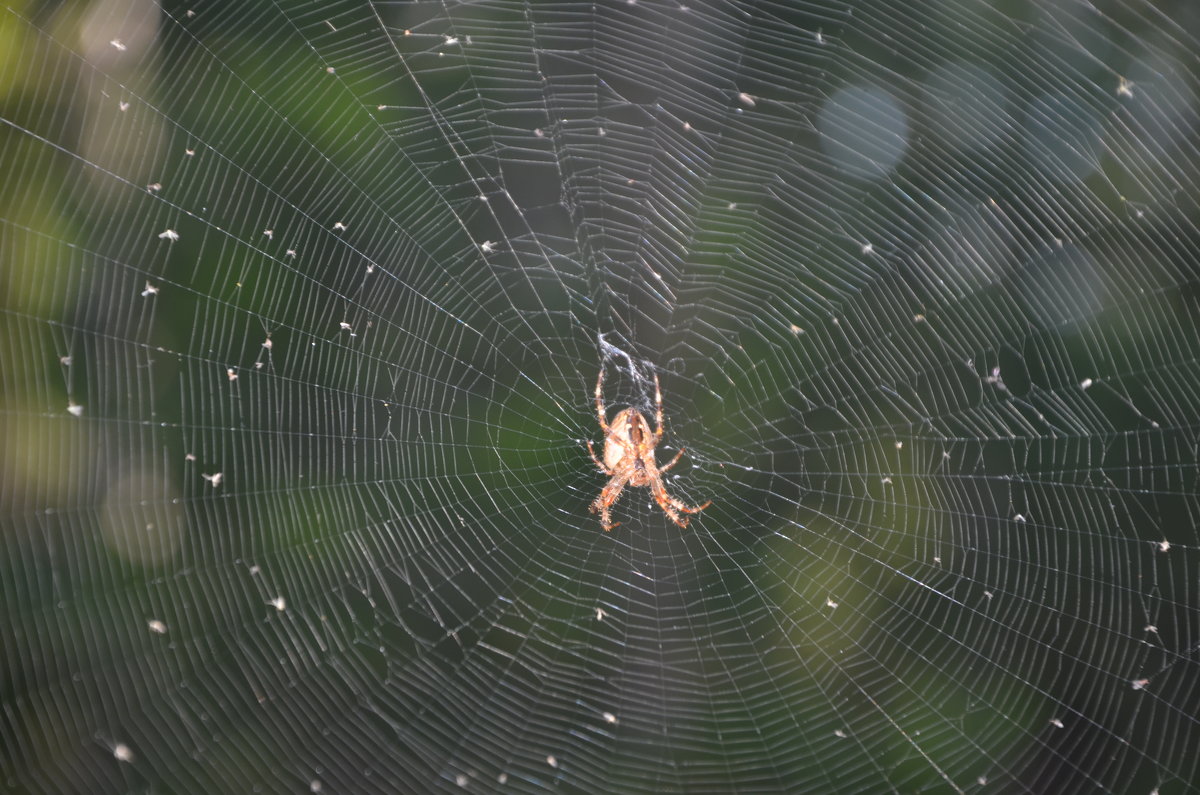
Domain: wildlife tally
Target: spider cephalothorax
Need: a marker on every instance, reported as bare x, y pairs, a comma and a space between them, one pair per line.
629, 459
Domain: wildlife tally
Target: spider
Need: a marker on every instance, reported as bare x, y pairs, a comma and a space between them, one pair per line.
629, 459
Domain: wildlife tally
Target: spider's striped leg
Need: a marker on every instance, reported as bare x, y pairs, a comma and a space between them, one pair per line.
658, 431
674, 460
600, 401
686, 509
605, 518
608, 495
673, 507
667, 502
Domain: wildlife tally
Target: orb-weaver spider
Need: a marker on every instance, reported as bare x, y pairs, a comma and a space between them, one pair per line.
629, 459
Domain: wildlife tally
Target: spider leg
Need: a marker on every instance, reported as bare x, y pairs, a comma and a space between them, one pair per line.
671, 506
600, 401
608, 495
687, 509
673, 460
658, 431
599, 463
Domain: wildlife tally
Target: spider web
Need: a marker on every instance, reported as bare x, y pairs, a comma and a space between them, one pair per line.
302, 304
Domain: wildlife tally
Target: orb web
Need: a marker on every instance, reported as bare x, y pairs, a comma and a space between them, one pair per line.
302, 310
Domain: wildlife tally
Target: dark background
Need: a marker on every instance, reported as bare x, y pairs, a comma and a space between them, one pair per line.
293, 498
